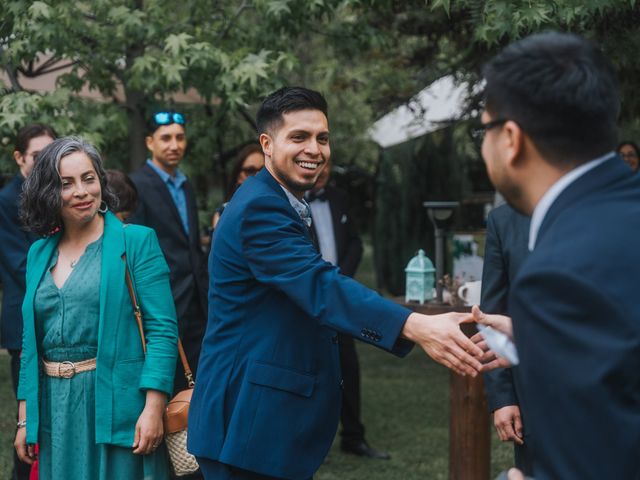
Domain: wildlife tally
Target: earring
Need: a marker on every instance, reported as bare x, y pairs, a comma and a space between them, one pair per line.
103, 209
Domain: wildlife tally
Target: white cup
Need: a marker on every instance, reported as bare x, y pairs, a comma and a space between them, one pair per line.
470, 293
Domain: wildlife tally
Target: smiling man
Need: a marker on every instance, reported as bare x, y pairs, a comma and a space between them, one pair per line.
167, 203
267, 402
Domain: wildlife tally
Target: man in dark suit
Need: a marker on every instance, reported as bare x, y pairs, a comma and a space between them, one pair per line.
167, 203
267, 402
15, 243
551, 108
341, 245
504, 252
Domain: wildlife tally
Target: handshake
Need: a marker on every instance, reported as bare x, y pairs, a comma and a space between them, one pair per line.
442, 339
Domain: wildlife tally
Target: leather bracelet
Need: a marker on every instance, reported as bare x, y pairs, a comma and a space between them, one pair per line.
21, 424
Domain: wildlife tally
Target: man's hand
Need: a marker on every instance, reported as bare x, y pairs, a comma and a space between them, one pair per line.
508, 424
441, 338
501, 323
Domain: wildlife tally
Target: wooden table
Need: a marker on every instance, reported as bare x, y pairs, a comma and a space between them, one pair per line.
469, 430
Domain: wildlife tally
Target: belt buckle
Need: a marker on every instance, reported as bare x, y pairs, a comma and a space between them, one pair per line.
69, 371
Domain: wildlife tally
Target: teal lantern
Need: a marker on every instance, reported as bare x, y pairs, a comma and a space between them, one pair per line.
421, 277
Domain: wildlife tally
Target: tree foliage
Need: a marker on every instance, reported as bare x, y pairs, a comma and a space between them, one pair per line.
367, 56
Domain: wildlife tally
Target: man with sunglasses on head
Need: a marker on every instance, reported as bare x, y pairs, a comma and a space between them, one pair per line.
15, 243
167, 203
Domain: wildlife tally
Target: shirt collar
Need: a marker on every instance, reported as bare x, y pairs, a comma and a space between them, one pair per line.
300, 206
177, 180
554, 192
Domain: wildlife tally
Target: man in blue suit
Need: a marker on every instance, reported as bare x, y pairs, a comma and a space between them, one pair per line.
551, 109
15, 243
504, 253
267, 401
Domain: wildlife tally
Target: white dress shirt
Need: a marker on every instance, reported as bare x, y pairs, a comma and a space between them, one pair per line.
323, 221
554, 192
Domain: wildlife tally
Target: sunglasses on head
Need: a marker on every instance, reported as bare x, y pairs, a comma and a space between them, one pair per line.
167, 118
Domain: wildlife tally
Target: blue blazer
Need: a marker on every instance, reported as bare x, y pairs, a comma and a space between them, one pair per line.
123, 373
268, 393
15, 242
505, 251
576, 322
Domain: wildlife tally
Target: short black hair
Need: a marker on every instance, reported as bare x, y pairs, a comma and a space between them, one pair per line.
124, 189
28, 132
285, 100
561, 90
151, 125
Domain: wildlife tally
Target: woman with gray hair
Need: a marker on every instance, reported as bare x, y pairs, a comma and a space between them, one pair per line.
96, 410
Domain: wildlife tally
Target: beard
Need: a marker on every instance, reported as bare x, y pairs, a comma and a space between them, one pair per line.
511, 191
293, 185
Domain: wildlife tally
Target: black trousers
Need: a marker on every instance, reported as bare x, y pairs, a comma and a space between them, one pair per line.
191, 327
352, 427
21, 470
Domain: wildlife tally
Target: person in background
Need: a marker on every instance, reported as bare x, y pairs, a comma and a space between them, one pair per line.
15, 241
504, 253
167, 203
630, 153
125, 191
249, 161
89, 394
341, 245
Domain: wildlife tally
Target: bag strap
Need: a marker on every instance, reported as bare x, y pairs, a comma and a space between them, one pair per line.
137, 312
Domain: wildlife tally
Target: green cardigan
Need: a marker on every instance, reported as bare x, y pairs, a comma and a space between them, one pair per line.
123, 373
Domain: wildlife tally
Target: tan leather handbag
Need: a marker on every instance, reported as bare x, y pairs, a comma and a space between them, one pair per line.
176, 413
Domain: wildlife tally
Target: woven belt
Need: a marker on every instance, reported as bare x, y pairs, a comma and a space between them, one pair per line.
68, 369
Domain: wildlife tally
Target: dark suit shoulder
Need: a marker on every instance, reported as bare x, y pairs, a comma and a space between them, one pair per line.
10, 192
505, 216
144, 175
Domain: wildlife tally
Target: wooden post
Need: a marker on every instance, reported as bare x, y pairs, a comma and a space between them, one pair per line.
469, 430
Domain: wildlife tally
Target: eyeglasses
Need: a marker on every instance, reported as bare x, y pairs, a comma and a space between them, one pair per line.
479, 132
167, 118
250, 171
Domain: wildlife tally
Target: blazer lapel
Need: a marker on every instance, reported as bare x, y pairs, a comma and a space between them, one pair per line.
38, 269
111, 278
166, 199
192, 212
265, 176
612, 170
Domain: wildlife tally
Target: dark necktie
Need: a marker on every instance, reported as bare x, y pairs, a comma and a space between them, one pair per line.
320, 195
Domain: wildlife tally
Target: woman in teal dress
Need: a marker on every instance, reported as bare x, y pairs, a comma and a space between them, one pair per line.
88, 393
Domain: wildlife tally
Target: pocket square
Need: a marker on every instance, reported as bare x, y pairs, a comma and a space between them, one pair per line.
344, 218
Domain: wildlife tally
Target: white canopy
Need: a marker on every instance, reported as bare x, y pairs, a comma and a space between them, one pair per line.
440, 101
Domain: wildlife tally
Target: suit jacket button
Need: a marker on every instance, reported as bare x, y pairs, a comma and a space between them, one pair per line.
334, 339
341, 383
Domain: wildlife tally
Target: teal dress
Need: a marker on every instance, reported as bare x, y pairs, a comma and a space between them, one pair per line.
67, 329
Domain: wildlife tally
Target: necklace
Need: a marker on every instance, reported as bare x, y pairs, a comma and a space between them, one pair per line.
72, 262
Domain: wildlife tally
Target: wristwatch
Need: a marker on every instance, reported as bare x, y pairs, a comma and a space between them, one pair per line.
21, 424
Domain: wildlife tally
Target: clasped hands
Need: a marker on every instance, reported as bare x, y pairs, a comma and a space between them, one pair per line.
442, 339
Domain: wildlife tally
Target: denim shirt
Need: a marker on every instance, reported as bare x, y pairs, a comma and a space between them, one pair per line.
175, 185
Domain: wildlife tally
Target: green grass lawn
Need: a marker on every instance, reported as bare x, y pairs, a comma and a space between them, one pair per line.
405, 408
